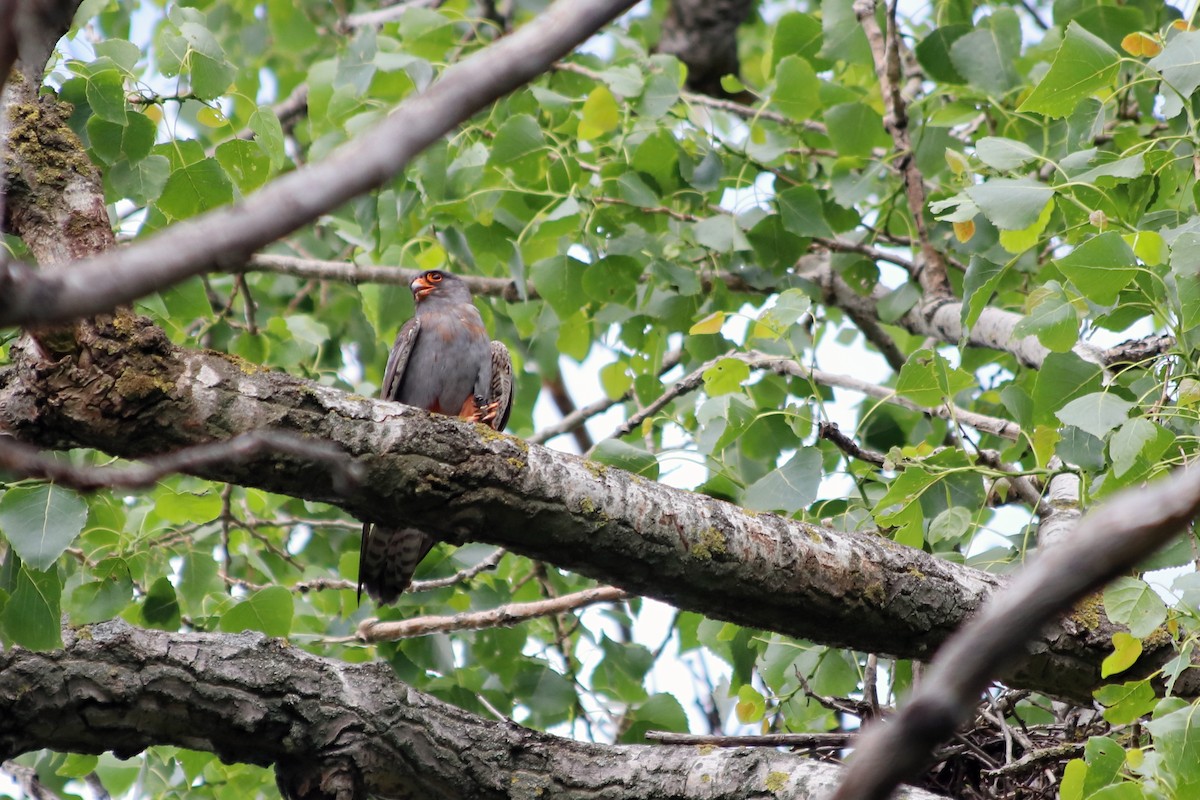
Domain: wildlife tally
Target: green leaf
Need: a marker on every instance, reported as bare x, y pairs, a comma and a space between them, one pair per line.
1125, 702
161, 607
1052, 318
979, 284
142, 181
788, 488
987, 55
106, 95
855, 129
76, 765
268, 134
600, 114
720, 233
1072, 781
1010, 204
1130, 601
622, 455
211, 72
1126, 651
41, 521
31, 617
951, 525
268, 610
898, 302
928, 379
660, 712
1096, 413
518, 137
621, 673
662, 89
1100, 267
797, 90
725, 377
1139, 439
1084, 65
1007, 154
195, 188
933, 53
559, 281
1176, 732
245, 163
802, 212
1179, 64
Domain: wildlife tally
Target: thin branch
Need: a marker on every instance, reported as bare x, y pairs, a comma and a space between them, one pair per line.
831, 432
366, 273
1107, 542
462, 576
30, 462
833, 740
222, 238
372, 630
582, 415
1036, 759
886, 53
787, 366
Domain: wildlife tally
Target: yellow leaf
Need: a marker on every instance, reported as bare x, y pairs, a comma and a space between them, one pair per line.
153, 113
957, 161
210, 117
710, 324
600, 114
963, 231
1126, 649
1020, 241
1141, 44
1182, 25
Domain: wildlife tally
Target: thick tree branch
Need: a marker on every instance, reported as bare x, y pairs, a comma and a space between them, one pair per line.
139, 395
1108, 541
225, 237
338, 730
703, 35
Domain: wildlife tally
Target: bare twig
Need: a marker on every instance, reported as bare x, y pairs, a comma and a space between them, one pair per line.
30, 462
787, 366
372, 630
576, 418
830, 431
834, 740
886, 53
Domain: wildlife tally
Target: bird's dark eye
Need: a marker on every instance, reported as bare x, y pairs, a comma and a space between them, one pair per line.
435, 277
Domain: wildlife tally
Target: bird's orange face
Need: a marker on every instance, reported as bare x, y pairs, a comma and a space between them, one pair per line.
426, 283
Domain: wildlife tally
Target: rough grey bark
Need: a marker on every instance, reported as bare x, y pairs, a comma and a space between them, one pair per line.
132, 393
339, 730
703, 35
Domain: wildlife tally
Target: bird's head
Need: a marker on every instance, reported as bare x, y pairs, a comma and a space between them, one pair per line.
439, 284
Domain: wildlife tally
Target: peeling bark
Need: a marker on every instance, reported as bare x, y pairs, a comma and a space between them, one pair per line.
132, 393
339, 730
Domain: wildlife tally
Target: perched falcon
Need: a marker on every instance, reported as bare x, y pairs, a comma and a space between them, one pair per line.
442, 361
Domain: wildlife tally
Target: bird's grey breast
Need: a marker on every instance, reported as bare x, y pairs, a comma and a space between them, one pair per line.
446, 359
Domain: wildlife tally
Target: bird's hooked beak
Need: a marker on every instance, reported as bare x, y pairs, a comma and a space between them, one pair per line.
421, 287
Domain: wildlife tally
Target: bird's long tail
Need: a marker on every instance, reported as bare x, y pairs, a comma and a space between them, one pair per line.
388, 559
